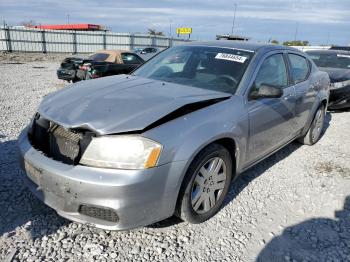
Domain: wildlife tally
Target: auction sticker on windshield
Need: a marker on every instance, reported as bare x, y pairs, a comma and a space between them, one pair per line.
231, 57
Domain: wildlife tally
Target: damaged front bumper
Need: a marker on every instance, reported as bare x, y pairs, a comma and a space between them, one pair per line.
111, 199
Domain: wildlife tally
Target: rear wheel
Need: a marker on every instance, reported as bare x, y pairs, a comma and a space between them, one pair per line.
205, 185
315, 131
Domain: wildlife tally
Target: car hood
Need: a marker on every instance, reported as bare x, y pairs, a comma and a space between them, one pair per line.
120, 103
337, 74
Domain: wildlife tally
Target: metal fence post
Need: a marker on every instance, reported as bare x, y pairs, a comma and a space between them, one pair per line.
75, 43
132, 41
8, 39
43, 41
105, 40
154, 41
170, 42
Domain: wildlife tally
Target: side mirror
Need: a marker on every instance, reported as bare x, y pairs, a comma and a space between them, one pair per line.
267, 91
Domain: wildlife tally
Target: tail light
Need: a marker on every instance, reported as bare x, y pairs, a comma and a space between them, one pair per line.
85, 67
94, 74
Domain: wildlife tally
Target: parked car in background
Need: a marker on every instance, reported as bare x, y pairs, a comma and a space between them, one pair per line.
137, 50
102, 63
107, 63
337, 64
127, 151
342, 48
68, 69
148, 52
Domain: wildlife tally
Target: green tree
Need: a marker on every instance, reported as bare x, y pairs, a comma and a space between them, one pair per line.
296, 43
274, 42
152, 31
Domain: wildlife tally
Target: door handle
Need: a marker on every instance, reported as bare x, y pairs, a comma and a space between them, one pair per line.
288, 97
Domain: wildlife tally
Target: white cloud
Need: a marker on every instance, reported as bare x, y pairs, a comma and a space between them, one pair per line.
207, 17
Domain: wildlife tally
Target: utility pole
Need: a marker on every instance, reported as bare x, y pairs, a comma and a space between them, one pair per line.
234, 19
296, 31
170, 34
67, 18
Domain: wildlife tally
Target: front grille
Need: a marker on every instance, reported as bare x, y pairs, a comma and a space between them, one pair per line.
63, 144
57, 142
99, 213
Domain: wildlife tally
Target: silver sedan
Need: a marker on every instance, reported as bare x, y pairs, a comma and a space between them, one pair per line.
126, 151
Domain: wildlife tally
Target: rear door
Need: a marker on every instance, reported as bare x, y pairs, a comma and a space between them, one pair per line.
271, 120
300, 70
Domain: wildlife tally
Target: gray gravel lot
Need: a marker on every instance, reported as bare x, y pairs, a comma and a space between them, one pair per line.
294, 206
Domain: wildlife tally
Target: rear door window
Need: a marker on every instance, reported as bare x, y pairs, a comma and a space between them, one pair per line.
99, 57
299, 68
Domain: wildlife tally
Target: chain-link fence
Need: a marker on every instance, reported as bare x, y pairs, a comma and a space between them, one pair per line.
66, 41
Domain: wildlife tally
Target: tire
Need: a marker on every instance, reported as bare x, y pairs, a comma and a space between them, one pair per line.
214, 185
316, 128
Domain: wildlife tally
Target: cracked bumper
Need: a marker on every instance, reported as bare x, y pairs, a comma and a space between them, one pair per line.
138, 197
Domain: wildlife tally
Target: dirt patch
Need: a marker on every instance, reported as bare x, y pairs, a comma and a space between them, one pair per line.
330, 168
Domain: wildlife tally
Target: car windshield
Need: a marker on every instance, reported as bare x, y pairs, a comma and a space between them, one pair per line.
214, 68
99, 57
333, 60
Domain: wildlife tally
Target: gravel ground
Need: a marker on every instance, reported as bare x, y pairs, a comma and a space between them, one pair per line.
294, 206
18, 57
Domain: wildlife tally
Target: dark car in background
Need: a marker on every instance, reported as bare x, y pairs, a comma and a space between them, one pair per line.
343, 48
102, 63
147, 50
337, 64
109, 62
147, 53
68, 69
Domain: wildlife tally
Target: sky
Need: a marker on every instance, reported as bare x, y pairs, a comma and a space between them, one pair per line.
317, 21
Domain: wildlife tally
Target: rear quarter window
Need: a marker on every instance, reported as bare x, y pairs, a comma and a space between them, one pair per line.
130, 59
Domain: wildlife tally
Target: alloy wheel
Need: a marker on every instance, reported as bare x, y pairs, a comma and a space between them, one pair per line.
208, 185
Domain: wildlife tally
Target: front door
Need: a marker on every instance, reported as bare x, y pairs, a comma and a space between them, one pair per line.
271, 120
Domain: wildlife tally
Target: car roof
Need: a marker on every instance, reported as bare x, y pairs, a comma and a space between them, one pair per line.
114, 55
112, 52
249, 46
328, 51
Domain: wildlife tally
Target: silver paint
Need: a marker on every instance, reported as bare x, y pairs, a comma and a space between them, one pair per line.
116, 104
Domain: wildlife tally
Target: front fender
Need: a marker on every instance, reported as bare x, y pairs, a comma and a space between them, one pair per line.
184, 137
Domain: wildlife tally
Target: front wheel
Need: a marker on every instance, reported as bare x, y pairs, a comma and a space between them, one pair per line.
315, 131
205, 185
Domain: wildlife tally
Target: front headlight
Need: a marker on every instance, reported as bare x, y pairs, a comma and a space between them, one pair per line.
124, 152
340, 84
